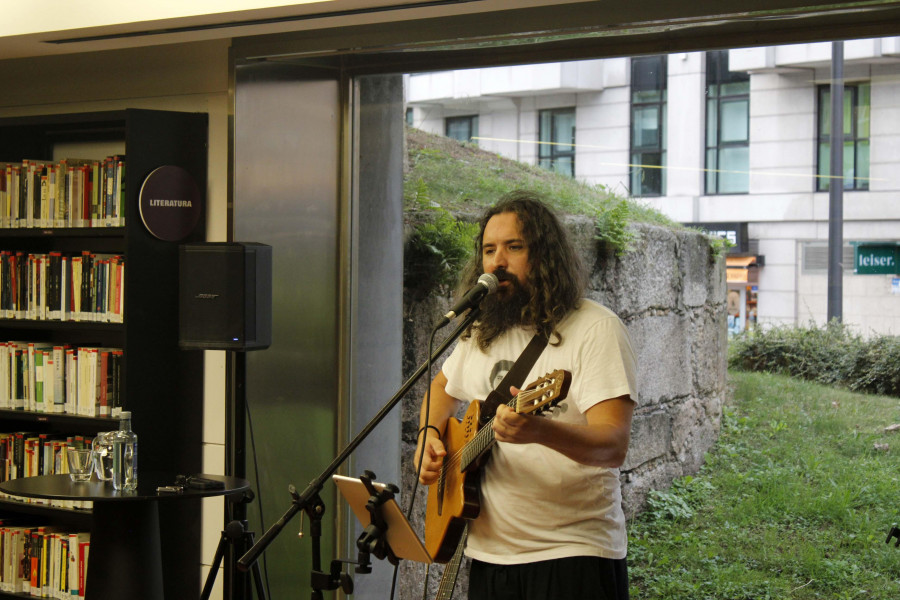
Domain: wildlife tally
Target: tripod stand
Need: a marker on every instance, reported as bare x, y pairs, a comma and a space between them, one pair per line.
234, 541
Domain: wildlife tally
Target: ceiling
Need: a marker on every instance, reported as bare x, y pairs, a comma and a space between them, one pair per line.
452, 31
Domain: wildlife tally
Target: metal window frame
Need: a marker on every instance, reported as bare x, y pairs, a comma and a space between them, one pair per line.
823, 173
721, 76
661, 105
551, 152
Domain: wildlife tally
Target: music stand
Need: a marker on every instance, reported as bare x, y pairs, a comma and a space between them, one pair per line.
400, 535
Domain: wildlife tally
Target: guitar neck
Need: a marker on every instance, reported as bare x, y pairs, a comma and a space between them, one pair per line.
538, 397
483, 441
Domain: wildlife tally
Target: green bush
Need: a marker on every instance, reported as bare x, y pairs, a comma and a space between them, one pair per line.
875, 367
831, 355
437, 246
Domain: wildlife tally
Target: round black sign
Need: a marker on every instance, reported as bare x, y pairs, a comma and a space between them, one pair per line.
170, 203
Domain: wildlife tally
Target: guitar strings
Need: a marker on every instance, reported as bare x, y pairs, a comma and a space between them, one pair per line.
521, 397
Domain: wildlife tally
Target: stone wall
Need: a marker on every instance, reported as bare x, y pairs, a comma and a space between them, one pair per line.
670, 292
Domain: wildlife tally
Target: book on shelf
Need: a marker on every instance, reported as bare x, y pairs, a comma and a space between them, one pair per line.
30, 454
71, 192
59, 379
42, 561
62, 286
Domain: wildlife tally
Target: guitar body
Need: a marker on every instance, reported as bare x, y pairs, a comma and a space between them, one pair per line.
454, 498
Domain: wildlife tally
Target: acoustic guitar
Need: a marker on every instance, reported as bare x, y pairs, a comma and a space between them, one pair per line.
454, 498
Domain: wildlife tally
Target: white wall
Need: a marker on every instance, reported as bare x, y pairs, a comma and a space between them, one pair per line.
686, 111
602, 124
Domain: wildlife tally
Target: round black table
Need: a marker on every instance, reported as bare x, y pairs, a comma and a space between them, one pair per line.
126, 555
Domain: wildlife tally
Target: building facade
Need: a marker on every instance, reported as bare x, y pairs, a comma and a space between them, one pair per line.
736, 142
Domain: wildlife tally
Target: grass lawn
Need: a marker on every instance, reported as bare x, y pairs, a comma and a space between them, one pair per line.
795, 501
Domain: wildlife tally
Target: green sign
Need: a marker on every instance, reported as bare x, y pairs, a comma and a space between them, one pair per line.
876, 258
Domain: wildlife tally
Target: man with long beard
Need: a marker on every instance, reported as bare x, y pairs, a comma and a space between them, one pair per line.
551, 524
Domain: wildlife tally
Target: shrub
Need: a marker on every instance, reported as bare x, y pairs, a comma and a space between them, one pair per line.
875, 367
831, 355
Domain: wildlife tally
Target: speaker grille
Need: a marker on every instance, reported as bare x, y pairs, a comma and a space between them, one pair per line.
225, 296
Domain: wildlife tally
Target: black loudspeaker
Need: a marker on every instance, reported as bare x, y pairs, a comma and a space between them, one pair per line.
225, 296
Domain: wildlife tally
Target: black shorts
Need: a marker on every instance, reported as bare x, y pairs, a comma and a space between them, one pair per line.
576, 578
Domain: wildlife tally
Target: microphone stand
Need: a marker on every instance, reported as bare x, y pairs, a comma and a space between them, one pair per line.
311, 503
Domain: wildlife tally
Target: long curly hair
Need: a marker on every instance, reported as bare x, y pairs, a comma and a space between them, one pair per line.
556, 280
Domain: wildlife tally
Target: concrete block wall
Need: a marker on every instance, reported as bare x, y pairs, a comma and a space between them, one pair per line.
670, 292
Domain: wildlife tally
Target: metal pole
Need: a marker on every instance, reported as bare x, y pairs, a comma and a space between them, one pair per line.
836, 186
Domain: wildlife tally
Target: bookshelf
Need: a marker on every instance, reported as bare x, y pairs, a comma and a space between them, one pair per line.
160, 384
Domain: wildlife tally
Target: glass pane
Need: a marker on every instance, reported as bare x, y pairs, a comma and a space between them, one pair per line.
862, 111
711, 173
545, 126
824, 112
862, 165
849, 93
645, 127
733, 176
646, 96
645, 179
716, 62
564, 165
712, 123
459, 128
824, 167
735, 121
564, 131
635, 175
663, 175
545, 131
849, 165
735, 88
648, 73
663, 127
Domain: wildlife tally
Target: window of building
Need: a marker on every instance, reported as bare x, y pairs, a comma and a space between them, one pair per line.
409, 116
648, 126
461, 128
856, 137
727, 127
556, 134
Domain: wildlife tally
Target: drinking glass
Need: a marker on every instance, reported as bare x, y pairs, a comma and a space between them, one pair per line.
81, 463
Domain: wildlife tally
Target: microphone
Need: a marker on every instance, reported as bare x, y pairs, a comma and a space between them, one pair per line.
487, 284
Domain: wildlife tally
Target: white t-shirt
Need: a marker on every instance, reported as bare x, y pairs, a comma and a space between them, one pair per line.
537, 504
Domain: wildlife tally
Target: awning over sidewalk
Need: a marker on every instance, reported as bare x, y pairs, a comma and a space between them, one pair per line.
741, 269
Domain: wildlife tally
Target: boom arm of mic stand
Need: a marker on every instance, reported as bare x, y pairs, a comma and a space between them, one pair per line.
302, 501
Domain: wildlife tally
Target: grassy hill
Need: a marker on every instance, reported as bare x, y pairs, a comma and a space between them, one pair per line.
794, 502
447, 184
463, 178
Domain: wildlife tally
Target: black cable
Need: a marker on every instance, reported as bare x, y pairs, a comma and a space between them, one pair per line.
394, 581
425, 585
427, 415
